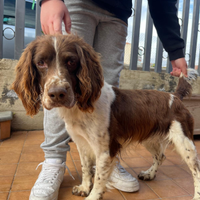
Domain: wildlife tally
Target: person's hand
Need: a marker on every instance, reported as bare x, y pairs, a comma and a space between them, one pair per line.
179, 66
53, 12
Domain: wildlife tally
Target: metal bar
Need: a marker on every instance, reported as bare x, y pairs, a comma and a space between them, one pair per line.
1, 28
177, 4
37, 20
199, 64
148, 42
135, 35
19, 28
169, 66
193, 43
159, 53
185, 17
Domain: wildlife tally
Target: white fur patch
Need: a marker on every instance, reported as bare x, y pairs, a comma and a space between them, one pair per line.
192, 75
171, 100
57, 59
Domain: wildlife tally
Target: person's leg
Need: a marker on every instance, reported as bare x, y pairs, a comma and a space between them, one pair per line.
83, 22
110, 40
56, 136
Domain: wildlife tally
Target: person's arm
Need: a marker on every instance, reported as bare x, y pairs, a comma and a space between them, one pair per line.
164, 15
53, 12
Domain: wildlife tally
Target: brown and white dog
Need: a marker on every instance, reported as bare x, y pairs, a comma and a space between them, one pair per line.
65, 72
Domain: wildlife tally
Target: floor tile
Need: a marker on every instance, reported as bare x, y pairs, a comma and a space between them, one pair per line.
11, 149
68, 181
78, 165
7, 169
144, 153
34, 137
187, 184
127, 153
113, 195
70, 164
66, 194
69, 157
73, 147
9, 157
5, 183
123, 164
144, 193
28, 168
171, 152
20, 195
176, 160
186, 168
136, 162
32, 148
23, 182
75, 155
179, 198
4, 195
32, 157
174, 172
173, 180
17, 140
166, 188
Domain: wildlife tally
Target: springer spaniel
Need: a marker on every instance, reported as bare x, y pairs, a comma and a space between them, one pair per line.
65, 72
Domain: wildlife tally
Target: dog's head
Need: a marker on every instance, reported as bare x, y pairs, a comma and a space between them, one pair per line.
58, 71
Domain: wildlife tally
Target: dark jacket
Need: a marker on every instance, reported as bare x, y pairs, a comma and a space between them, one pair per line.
164, 15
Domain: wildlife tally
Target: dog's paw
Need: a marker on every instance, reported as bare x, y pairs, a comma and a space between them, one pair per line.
81, 191
146, 176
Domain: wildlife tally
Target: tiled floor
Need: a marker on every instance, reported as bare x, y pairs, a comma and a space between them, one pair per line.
20, 155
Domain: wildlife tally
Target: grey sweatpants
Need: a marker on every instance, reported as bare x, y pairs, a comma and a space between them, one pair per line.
107, 34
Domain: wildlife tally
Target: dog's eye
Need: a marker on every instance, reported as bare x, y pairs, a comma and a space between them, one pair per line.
42, 64
71, 65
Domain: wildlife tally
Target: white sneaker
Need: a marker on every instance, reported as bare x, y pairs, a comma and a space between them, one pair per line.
48, 183
122, 180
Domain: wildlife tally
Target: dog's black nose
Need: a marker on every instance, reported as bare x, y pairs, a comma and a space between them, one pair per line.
57, 94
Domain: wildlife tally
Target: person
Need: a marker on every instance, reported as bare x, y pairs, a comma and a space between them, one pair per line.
103, 25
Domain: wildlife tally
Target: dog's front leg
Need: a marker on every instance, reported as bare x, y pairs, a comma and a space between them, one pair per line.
87, 162
104, 166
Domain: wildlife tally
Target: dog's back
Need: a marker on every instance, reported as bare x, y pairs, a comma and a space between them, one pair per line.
140, 114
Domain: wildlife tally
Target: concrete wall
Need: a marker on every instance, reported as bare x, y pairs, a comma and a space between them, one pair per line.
128, 80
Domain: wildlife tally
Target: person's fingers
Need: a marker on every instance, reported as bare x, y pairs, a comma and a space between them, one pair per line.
57, 26
51, 29
184, 70
67, 22
176, 72
45, 30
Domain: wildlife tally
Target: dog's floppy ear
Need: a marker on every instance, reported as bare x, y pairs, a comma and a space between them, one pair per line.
90, 77
26, 83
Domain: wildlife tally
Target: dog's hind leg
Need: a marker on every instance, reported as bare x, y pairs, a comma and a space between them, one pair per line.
157, 150
186, 148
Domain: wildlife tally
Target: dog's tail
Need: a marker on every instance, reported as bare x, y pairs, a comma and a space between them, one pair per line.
184, 87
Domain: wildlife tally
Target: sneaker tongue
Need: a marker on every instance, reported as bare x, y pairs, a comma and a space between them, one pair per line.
54, 160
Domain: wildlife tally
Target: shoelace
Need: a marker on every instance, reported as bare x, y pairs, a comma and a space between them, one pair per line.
49, 174
120, 168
